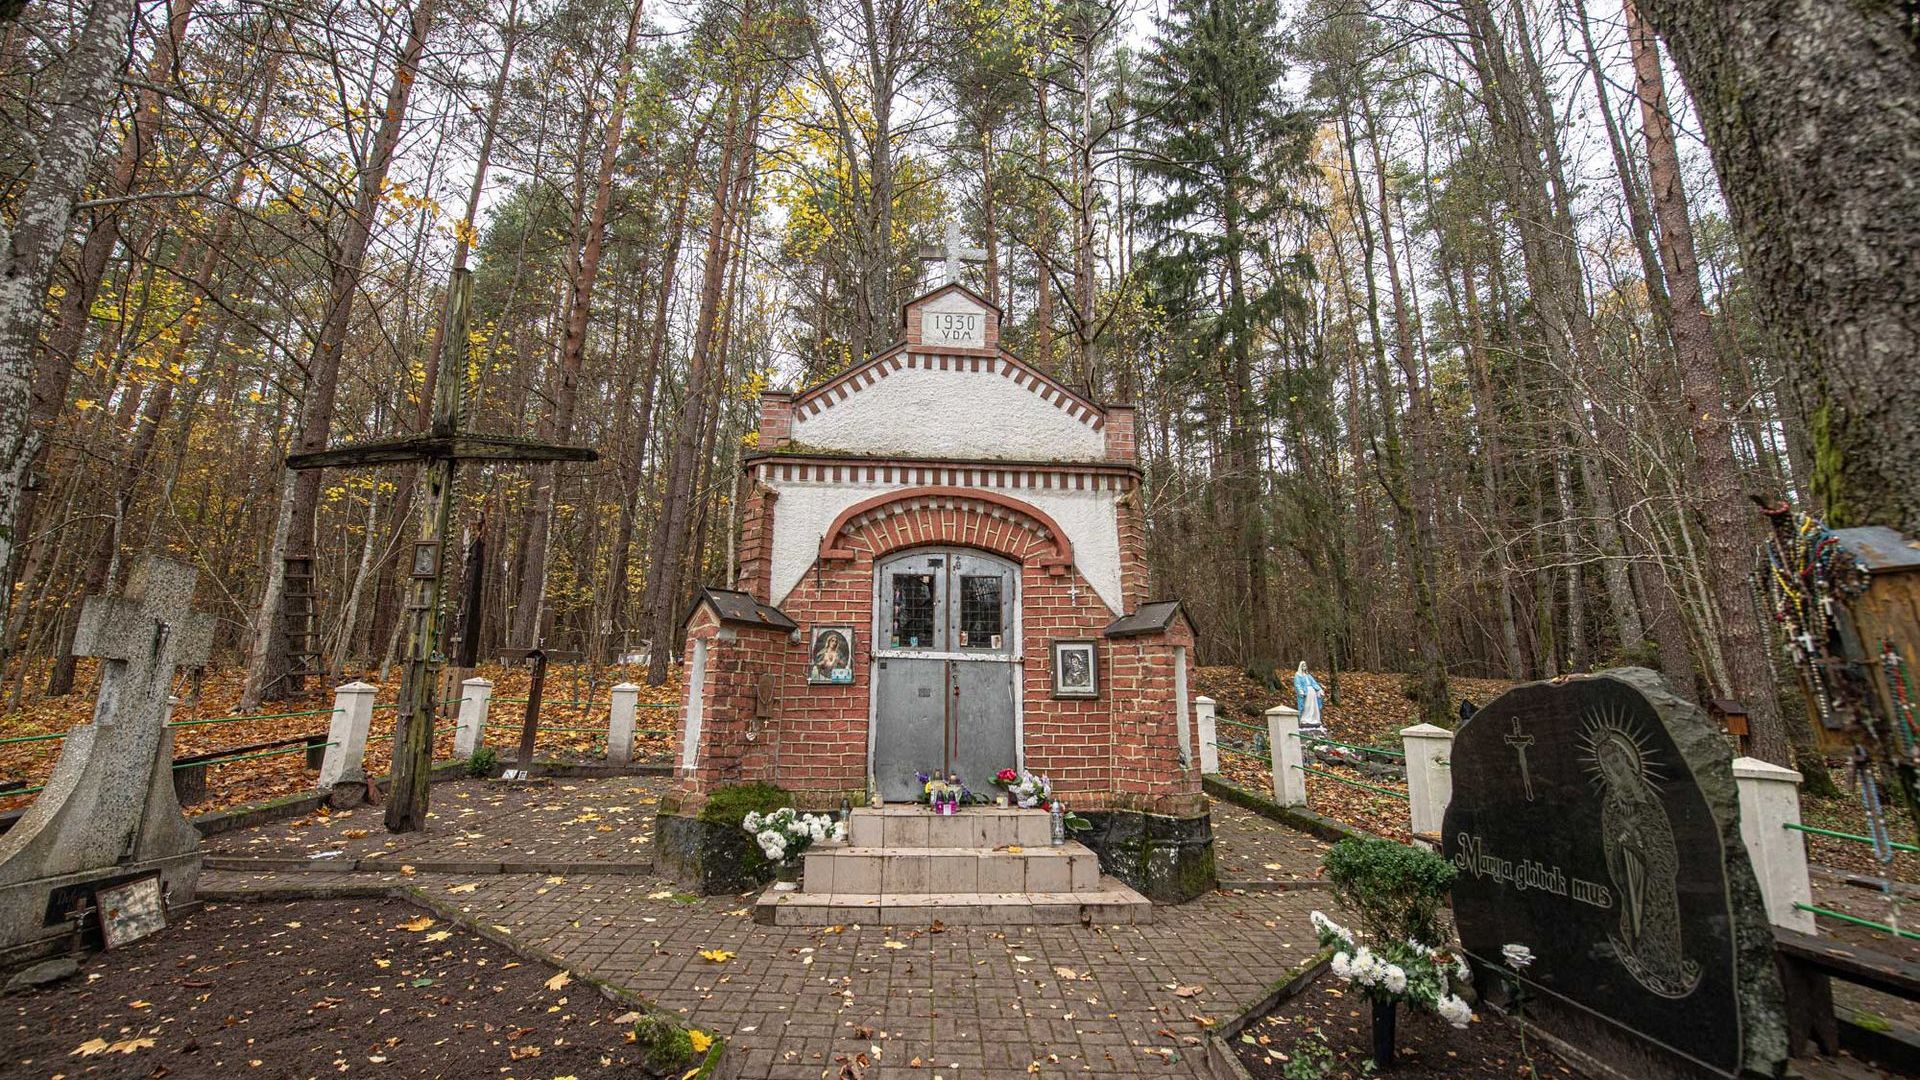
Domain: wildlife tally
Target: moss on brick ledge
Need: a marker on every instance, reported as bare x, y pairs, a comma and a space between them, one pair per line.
710, 853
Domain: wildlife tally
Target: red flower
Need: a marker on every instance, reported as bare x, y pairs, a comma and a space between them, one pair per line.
1007, 776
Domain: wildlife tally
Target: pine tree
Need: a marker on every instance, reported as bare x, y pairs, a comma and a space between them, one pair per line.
1224, 150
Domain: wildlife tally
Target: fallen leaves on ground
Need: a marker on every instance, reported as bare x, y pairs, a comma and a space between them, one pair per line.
718, 956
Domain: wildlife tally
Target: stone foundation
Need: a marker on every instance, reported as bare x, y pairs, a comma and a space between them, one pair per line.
1167, 859
708, 857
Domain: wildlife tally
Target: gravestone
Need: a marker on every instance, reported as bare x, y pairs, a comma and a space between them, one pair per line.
1595, 821
108, 813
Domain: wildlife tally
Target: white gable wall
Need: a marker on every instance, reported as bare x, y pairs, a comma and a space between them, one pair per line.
970, 415
805, 510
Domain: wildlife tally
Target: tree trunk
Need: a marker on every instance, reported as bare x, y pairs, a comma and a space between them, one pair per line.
668, 548
531, 615
31, 239
272, 674
1715, 480
1814, 143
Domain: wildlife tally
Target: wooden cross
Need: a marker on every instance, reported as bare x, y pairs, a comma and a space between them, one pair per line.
440, 452
536, 686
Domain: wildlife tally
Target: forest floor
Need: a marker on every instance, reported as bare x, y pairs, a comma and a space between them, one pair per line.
573, 718
305, 989
1327, 1025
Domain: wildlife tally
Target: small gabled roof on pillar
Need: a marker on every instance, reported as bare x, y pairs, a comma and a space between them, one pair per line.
1153, 617
737, 608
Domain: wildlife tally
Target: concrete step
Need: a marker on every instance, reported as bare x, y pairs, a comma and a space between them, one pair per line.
908, 826
1111, 903
1071, 868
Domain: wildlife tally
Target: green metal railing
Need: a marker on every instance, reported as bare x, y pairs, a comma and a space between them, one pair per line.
301, 749
547, 727
1232, 749
1855, 920
1837, 835
244, 719
1337, 778
1352, 746
32, 738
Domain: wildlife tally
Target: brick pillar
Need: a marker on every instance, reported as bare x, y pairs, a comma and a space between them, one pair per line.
1119, 429
776, 419
1135, 585
756, 540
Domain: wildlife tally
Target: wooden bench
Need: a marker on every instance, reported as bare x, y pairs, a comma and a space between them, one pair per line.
190, 773
1808, 965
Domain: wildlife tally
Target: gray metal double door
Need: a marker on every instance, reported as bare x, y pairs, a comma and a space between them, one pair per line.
945, 648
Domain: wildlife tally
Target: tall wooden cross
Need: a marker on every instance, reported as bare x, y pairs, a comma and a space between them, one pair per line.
440, 450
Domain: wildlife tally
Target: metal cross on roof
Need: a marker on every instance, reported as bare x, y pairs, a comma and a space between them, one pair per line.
441, 449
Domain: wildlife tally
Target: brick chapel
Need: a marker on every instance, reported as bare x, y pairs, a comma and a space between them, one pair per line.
942, 569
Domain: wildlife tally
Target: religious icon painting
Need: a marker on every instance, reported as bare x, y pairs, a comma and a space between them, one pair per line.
1075, 669
830, 660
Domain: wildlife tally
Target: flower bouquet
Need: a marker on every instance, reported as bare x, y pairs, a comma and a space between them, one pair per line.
1028, 792
1393, 972
785, 833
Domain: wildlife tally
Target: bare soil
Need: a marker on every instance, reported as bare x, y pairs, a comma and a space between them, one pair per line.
1325, 1015
324, 988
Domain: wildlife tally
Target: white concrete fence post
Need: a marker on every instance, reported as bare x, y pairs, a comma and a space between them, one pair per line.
346, 755
1769, 802
1429, 778
1203, 712
626, 704
1283, 743
470, 731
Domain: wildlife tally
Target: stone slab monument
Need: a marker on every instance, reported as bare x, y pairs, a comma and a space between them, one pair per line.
1595, 821
108, 814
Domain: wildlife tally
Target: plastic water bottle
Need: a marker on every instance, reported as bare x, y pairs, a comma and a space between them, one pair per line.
1057, 819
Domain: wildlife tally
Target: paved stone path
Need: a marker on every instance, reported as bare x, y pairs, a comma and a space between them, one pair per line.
965, 1001
802, 1003
475, 821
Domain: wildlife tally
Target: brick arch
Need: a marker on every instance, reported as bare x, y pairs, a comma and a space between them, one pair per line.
971, 502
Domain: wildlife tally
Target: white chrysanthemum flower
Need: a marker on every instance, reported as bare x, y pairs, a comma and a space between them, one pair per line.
1343, 966
1454, 1011
751, 822
1517, 956
1327, 926
1395, 978
840, 832
1461, 970
773, 844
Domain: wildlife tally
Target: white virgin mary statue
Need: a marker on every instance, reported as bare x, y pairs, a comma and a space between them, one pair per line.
1306, 697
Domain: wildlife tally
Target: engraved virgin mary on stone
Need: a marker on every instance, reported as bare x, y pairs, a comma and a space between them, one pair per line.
1637, 838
